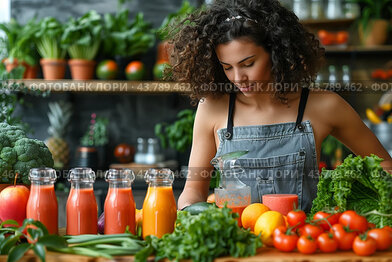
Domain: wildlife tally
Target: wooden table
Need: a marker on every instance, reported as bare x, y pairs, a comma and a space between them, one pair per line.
264, 255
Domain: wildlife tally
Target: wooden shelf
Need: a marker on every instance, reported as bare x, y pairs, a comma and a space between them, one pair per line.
359, 49
100, 86
327, 22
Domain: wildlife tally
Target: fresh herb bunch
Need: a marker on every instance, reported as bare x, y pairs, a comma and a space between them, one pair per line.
179, 134
82, 36
203, 237
97, 134
127, 39
48, 38
169, 22
358, 184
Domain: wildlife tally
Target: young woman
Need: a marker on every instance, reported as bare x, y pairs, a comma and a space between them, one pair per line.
237, 55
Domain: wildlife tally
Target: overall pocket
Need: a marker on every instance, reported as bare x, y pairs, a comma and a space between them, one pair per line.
274, 175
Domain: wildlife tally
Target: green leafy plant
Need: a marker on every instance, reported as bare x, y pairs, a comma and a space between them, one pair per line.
358, 184
12, 239
168, 23
97, 134
179, 134
19, 41
48, 38
124, 38
82, 36
374, 9
203, 237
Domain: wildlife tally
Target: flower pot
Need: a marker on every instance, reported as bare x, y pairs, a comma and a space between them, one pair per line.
375, 33
10, 65
82, 69
163, 51
53, 68
86, 156
30, 72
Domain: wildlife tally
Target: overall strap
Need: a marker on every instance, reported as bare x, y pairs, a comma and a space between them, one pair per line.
301, 108
229, 129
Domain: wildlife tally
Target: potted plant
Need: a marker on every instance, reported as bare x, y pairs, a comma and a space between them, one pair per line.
126, 41
48, 41
177, 135
20, 47
92, 150
373, 23
163, 34
82, 38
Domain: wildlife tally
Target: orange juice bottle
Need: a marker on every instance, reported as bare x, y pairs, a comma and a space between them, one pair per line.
159, 207
42, 203
82, 209
119, 207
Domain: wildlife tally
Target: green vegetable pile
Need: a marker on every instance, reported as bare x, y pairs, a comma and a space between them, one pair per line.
203, 237
358, 184
18, 154
13, 242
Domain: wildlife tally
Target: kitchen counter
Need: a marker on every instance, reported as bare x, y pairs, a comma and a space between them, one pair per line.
264, 255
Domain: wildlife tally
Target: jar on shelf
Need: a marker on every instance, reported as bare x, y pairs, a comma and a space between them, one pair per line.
301, 9
317, 9
141, 150
334, 9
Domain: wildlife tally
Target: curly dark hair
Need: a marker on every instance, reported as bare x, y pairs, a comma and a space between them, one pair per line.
296, 55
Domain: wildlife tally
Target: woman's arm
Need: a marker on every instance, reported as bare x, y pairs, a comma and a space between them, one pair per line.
349, 128
203, 150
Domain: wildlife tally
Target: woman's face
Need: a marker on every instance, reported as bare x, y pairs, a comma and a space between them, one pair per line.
245, 64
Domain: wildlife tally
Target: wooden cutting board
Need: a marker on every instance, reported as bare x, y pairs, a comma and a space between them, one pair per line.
264, 255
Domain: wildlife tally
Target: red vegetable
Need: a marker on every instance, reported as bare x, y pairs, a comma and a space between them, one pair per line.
101, 223
382, 237
310, 230
327, 242
285, 239
344, 236
364, 246
296, 218
354, 221
306, 245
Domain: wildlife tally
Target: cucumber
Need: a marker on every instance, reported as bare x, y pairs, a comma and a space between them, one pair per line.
197, 208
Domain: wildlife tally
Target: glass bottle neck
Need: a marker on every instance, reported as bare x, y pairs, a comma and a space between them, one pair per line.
120, 184
42, 183
160, 183
81, 185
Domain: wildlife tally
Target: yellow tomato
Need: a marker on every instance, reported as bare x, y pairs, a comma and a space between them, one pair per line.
266, 224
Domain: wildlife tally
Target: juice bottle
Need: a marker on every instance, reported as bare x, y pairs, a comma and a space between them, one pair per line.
82, 209
42, 203
159, 207
120, 206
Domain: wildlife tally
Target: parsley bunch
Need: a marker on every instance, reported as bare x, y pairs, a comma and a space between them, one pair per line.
203, 237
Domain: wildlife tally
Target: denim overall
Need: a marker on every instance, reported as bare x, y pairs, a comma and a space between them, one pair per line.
281, 159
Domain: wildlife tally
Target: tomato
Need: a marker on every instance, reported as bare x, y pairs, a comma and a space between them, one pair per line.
331, 218
310, 230
380, 74
343, 236
364, 247
159, 69
322, 165
124, 153
285, 240
306, 245
107, 70
354, 221
327, 242
371, 225
326, 38
388, 228
341, 37
382, 237
135, 71
296, 218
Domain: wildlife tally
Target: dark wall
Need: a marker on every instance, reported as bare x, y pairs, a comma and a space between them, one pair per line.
130, 115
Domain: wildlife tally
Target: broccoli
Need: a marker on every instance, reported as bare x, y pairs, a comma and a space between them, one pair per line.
18, 154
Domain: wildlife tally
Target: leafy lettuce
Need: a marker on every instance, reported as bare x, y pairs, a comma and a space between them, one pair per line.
358, 184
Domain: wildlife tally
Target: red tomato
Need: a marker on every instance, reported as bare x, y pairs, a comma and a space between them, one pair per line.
344, 237
331, 218
135, 70
285, 240
322, 165
296, 219
371, 226
382, 237
306, 245
124, 153
310, 230
354, 221
388, 228
341, 37
364, 247
380, 74
327, 242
